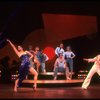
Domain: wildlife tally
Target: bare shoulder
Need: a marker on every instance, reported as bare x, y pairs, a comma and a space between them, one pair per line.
57, 59
26, 51
98, 56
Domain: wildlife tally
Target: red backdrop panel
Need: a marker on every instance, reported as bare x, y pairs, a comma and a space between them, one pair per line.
60, 27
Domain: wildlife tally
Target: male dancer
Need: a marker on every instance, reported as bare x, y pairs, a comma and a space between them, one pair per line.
95, 68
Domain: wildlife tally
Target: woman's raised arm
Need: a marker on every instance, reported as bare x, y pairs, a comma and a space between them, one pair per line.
13, 46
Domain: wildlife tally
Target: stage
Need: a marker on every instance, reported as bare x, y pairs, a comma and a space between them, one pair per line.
6, 91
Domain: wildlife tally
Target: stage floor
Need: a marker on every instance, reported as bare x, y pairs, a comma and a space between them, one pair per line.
6, 91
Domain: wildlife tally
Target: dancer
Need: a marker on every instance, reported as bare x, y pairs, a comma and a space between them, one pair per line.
42, 59
69, 55
25, 66
31, 60
59, 49
95, 69
61, 66
30, 49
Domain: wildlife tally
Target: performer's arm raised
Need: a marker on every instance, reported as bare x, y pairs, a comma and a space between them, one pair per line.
91, 59
14, 48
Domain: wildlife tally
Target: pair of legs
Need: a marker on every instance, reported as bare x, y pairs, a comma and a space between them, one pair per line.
19, 80
70, 63
31, 65
92, 71
61, 69
43, 67
36, 61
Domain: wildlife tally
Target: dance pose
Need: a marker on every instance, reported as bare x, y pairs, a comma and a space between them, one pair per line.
31, 60
95, 69
42, 59
69, 55
30, 49
59, 49
25, 66
61, 66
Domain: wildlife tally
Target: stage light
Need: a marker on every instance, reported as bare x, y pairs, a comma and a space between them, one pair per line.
50, 52
14, 75
0, 71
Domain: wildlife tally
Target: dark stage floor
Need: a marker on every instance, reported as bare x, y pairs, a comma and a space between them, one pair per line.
6, 91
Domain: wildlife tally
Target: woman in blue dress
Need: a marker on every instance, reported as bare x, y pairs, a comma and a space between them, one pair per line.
25, 66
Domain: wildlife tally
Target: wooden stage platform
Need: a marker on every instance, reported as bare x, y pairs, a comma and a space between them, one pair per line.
54, 81
46, 80
52, 73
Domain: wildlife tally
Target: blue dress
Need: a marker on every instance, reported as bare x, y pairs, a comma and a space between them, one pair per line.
24, 68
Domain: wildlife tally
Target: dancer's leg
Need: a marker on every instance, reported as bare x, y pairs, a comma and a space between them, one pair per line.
33, 71
89, 76
43, 67
55, 73
71, 67
98, 71
37, 64
16, 85
67, 73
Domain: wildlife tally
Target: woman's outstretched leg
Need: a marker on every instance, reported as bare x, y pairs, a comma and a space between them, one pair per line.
16, 85
33, 71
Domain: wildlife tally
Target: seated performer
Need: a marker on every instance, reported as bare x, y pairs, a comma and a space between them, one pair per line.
61, 66
95, 69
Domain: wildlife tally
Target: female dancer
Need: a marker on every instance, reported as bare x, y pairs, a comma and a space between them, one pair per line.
25, 66
95, 68
69, 55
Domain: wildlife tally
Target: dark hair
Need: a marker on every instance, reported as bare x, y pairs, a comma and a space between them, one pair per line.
60, 53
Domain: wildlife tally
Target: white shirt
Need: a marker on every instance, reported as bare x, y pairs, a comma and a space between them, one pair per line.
68, 54
59, 50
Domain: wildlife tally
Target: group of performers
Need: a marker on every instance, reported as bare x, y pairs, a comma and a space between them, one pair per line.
63, 63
